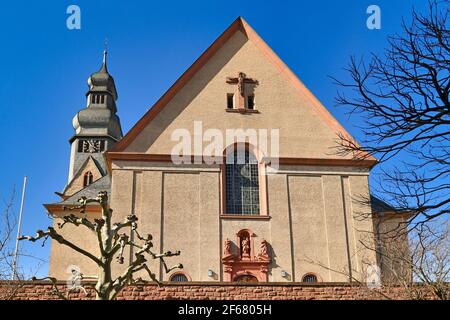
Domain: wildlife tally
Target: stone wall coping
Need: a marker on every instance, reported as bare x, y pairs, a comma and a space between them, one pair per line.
201, 283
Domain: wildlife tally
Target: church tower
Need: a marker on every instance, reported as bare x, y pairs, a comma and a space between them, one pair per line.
97, 129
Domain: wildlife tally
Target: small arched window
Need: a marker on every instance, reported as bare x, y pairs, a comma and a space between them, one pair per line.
87, 179
179, 277
309, 278
242, 182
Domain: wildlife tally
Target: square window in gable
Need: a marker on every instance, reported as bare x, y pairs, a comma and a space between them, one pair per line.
251, 102
230, 101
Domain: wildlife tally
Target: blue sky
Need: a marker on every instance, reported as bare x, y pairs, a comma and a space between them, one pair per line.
44, 68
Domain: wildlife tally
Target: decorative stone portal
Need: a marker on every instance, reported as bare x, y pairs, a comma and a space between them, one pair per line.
244, 265
246, 279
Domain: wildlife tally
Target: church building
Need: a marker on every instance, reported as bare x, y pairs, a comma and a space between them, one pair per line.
273, 203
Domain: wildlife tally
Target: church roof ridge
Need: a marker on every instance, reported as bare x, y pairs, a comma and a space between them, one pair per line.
239, 24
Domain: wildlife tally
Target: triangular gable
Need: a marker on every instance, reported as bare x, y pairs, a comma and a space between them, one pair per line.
76, 184
91, 191
238, 25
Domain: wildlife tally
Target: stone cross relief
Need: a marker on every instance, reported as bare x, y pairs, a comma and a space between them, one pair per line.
241, 80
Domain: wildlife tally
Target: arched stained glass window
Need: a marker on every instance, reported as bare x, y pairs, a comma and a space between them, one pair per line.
242, 183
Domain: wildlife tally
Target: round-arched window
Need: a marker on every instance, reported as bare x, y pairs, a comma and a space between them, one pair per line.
88, 179
309, 278
241, 183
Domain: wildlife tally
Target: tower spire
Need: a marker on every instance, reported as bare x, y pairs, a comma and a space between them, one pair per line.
97, 126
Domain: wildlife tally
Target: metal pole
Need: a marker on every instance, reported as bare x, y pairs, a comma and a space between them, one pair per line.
16, 251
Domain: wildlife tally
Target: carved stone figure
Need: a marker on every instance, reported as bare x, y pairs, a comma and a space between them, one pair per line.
245, 247
263, 249
241, 79
227, 247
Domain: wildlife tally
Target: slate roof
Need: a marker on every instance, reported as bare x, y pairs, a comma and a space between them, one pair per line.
379, 205
81, 167
91, 191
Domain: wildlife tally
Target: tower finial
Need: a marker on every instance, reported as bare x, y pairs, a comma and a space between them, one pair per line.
105, 52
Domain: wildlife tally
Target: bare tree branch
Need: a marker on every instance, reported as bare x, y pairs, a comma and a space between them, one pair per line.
402, 100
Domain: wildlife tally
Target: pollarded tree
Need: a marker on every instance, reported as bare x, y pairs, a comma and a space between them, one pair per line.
112, 242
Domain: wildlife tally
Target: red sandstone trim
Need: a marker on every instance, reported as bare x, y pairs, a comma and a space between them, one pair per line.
366, 163
57, 208
136, 156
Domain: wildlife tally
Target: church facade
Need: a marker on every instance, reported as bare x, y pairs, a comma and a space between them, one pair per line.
273, 203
